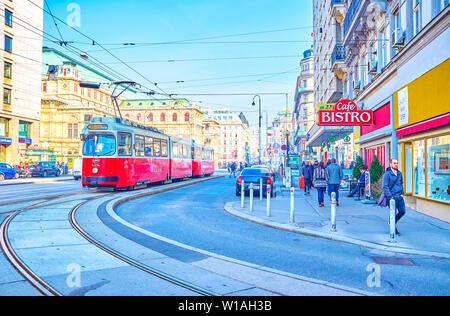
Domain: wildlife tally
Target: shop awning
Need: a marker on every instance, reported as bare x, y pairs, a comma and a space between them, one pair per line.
320, 134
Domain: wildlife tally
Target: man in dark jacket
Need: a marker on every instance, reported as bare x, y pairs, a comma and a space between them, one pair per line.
307, 173
335, 174
393, 189
361, 182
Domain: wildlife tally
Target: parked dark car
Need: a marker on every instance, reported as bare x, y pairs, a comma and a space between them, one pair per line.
8, 171
253, 175
45, 169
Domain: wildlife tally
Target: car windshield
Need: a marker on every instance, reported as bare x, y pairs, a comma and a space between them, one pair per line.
99, 145
254, 172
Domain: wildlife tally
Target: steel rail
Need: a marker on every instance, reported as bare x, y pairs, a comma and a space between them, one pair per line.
132, 262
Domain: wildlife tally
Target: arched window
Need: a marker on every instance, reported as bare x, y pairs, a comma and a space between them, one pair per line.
163, 117
150, 117
139, 117
174, 117
186, 117
127, 115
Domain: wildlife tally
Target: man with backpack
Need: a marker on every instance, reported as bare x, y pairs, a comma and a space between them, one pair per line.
393, 189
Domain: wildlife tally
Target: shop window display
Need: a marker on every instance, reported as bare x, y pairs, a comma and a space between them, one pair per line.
419, 168
438, 168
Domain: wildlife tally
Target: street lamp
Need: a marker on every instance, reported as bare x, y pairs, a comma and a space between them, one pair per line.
253, 104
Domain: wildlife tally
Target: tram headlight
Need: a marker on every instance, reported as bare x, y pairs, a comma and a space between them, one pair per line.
94, 170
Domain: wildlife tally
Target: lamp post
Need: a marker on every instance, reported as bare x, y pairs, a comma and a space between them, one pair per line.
259, 117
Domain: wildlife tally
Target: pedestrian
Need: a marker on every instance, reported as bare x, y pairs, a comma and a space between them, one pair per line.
361, 182
335, 175
393, 189
307, 172
233, 169
229, 169
320, 181
316, 164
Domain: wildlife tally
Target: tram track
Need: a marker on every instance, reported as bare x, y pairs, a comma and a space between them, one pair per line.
44, 287
37, 282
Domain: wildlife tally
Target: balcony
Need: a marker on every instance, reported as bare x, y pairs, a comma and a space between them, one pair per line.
338, 61
352, 9
338, 10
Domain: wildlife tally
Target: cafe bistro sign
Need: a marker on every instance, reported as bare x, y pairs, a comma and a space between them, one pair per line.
344, 113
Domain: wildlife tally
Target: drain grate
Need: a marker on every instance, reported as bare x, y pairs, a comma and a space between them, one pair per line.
394, 261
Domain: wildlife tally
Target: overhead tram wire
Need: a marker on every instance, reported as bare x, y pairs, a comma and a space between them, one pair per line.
75, 51
101, 46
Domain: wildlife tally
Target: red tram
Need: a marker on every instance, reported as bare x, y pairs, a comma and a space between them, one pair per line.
121, 154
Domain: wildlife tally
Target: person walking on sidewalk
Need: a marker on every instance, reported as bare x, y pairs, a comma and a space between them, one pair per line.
320, 180
393, 189
233, 169
335, 175
307, 172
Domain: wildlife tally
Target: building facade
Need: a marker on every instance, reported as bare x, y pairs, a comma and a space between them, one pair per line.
329, 71
236, 143
397, 64
304, 109
392, 57
178, 118
21, 28
65, 104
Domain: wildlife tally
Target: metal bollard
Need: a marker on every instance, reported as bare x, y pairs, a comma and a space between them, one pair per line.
260, 189
292, 215
269, 194
333, 212
251, 197
392, 223
243, 194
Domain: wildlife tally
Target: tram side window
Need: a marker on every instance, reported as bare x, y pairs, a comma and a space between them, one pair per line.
139, 146
148, 147
164, 151
156, 148
174, 150
124, 144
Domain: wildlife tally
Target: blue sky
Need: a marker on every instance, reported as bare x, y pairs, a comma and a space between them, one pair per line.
113, 23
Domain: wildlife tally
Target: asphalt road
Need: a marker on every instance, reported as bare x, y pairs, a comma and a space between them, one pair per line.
195, 216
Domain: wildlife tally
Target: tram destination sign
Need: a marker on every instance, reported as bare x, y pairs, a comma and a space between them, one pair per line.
345, 113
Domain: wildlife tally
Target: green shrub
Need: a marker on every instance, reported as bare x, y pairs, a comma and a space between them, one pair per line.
376, 170
358, 164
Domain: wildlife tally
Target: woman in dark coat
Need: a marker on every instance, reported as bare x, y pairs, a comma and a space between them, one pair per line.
320, 181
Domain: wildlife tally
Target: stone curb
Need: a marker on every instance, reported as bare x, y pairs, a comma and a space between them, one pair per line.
230, 209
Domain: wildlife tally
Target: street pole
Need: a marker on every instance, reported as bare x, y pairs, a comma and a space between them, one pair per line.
259, 118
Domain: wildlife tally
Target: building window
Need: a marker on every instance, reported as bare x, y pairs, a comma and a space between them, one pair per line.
150, 117
8, 70
186, 117
417, 16
69, 131
8, 44
174, 117
419, 168
72, 131
24, 129
139, 117
8, 18
163, 117
6, 96
4, 127
438, 168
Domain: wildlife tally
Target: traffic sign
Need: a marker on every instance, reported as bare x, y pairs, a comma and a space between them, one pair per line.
276, 146
284, 148
332, 139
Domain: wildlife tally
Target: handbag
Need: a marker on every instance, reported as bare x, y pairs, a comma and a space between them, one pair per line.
383, 201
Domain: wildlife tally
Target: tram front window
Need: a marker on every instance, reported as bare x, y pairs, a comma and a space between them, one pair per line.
99, 145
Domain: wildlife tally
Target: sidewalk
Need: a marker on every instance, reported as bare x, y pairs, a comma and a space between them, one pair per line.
36, 180
357, 223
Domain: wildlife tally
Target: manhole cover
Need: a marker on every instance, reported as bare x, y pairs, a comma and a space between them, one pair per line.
394, 261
